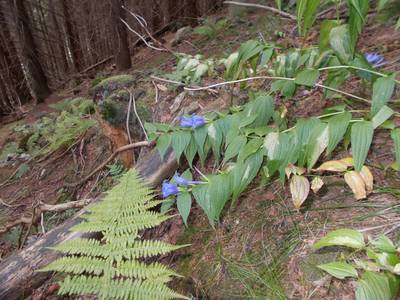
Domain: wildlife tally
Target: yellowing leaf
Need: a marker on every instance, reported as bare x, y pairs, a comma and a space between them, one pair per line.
316, 184
348, 161
333, 166
368, 178
292, 169
356, 183
299, 188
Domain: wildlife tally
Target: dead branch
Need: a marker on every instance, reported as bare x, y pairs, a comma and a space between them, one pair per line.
43, 207
269, 8
111, 157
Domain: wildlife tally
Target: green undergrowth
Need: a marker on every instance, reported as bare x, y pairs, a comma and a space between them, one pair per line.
244, 258
59, 129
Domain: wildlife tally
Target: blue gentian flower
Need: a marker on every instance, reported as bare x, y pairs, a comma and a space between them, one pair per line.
198, 121
194, 121
375, 59
186, 122
169, 189
182, 181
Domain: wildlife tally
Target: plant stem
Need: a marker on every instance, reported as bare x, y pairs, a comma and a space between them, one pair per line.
357, 68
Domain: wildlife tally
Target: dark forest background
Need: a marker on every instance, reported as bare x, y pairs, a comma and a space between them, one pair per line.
43, 43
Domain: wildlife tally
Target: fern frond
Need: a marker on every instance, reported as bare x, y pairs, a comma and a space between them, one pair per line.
136, 269
118, 289
113, 268
78, 265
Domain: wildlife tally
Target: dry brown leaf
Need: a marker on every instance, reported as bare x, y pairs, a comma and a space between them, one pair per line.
299, 188
368, 178
316, 184
333, 166
356, 183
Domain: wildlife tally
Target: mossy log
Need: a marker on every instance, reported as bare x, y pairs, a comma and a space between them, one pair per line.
18, 276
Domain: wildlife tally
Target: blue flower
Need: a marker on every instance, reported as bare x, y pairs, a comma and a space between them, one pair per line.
182, 181
186, 122
169, 189
198, 121
375, 59
194, 121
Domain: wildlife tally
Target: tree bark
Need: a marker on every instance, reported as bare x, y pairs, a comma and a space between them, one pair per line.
121, 47
72, 36
17, 272
62, 61
29, 53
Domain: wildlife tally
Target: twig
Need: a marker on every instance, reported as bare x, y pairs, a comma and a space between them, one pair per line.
167, 80
261, 77
269, 8
42, 223
142, 22
137, 116
111, 157
141, 37
44, 208
128, 114
156, 88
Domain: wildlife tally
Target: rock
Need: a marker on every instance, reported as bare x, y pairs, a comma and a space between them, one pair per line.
181, 34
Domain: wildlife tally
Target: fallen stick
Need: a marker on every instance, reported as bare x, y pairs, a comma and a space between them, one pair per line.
110, 158
17, 272
269, 8
45, 208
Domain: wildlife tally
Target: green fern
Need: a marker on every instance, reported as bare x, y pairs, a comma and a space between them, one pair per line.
113, 268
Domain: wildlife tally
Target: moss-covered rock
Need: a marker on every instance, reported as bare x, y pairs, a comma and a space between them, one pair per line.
110, 84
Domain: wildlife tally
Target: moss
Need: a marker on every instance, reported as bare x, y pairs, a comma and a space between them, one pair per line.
118, 81
78, 105
9, 148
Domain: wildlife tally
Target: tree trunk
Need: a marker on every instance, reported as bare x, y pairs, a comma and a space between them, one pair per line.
72, 37
121, 47
29, 53
17, 272
13, 79
62, 61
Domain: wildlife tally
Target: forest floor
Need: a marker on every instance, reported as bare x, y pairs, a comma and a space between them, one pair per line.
262, 247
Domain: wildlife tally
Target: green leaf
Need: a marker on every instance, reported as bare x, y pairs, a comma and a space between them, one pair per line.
337, 126
200, 193
266, 56
166, 204
300, 9
383, 243
382, 115
184, 204
342, 237
373, 286
215, 136
180, 140
190, 151
234, 147
23, 168
358, 10
245, 172
163, 142
361, 138
382, 92
278, 4
396, 139
219, 192
339, 270
339, 39
251, 147
310, 14
325, 29
307, 77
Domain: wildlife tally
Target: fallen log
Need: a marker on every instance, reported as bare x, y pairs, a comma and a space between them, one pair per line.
17, 272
